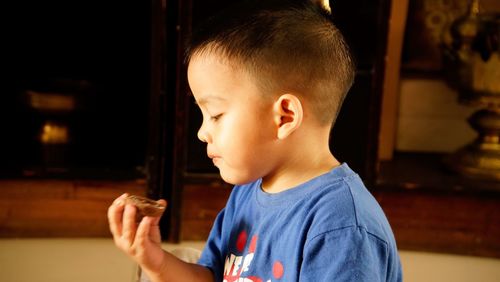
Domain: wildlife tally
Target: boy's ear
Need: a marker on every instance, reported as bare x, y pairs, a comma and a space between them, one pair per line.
288, 114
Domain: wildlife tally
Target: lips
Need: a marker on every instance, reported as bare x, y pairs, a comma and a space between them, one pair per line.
213, 156
215, 159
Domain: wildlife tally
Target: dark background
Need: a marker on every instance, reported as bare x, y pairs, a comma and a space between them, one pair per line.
102, 44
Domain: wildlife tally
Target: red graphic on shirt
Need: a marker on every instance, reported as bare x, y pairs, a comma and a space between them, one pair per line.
278, 269
237, 265
253, 245
242, 241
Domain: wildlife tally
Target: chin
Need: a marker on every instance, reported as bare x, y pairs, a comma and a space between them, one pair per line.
236, 180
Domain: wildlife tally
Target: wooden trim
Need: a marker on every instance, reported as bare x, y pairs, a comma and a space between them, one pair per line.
431, 209
390, 92
179, 114
378, 87
60, 208
445, 222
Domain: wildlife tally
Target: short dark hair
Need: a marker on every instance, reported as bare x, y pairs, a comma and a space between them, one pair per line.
290, 46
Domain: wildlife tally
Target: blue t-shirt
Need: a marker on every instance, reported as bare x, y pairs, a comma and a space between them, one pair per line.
327, 229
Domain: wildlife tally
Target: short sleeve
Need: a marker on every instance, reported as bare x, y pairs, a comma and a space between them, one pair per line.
212, 255
347, 254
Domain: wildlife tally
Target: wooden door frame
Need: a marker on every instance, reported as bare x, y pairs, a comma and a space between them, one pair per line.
166, 159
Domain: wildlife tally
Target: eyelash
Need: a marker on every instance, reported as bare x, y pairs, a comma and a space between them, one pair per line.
216, 117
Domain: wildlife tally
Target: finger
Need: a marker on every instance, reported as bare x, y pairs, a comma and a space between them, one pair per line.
143, 230
129, 224
115, 214
162, 202
153, 221
154, 230
148, 231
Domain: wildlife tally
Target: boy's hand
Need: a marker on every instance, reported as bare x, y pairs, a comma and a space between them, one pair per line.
140, 240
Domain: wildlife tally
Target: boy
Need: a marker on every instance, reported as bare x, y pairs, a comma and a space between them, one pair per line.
270, 78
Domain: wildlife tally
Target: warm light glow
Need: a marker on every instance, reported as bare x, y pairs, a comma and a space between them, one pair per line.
326, 4
51, 101
53, 133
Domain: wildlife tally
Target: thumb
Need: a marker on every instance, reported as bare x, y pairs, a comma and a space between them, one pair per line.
157, 218
144, 226
162, 202
147, 223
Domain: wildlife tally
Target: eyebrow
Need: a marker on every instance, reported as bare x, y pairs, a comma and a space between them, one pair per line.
208, 99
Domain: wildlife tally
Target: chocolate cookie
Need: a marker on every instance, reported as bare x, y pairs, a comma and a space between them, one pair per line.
145, 206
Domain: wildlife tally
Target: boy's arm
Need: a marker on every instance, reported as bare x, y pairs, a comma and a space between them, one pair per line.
176, 270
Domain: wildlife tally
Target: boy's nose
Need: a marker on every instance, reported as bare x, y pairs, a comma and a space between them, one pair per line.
203, 135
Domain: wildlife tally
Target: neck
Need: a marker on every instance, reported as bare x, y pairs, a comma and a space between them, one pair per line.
305, 163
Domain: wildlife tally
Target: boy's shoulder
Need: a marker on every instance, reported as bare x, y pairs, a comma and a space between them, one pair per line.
348, 204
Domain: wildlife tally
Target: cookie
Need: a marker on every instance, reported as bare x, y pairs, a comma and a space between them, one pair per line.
145, 206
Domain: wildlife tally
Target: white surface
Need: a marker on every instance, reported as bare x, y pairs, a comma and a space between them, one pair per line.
58, 260
96, 260
431, 267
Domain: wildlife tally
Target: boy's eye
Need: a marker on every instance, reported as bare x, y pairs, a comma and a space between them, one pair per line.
216, 117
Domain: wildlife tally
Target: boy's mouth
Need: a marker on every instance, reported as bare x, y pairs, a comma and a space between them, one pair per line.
215, 159
212, 155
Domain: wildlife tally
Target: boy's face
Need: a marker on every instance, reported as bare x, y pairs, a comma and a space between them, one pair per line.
237, 123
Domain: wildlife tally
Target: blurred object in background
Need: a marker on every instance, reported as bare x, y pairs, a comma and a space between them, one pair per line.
55, 105
472, 66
